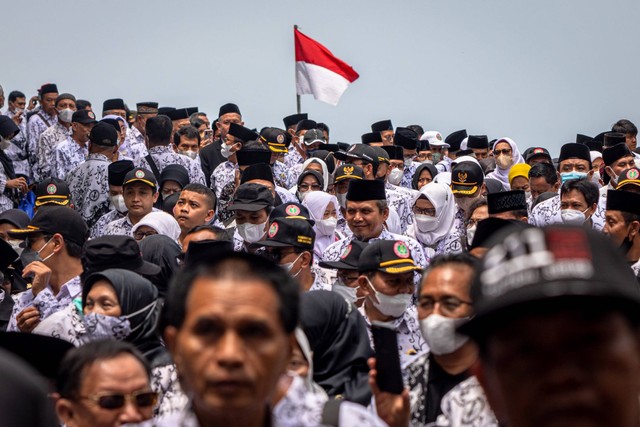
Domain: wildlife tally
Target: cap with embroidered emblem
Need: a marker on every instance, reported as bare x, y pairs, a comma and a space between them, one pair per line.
466, 178
141, 175
388, 256
284, 232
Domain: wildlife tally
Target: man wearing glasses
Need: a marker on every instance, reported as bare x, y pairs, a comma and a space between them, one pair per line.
104, 383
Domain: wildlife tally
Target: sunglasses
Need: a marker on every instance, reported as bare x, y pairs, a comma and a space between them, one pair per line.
142, 399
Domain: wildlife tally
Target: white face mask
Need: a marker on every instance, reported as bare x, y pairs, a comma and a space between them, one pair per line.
118, 203
288, 266
251, 233
408, 162
393, 306
302, 194
426, 223
342, 199
440, 333
471, 231
348, 293
226, 150
395, 176
572, 216
190, 153
504, 162
327, 227
65, 115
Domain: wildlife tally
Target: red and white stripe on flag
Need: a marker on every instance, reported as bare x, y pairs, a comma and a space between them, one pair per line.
319, 72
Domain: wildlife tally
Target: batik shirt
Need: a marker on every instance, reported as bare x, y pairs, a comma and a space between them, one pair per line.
38, 123
119, 227
222, 175
68, 156
134, 146
164, 156
89, 187
455, 242
45, 150
548, 212
280, 174
400, 199
444, 165
407, 175
101, 224
5, 202
411, 345
292, 158
465, 406
321, 281
17, 151
45, 301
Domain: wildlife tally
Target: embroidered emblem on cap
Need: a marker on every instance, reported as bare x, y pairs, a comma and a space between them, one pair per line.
346, 252
348, 170
280, 139
438, 137
273, 229
91, 115
632, 174
292, 210
538, 151
51, 189
462, 176
139, 174
401, 250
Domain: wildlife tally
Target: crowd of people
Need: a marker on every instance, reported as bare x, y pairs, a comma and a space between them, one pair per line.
161, 267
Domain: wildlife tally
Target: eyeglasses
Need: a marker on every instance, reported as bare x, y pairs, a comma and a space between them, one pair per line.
449, 305
142, 399
305, 187
506, 152
397, 166
139, 235
430, 212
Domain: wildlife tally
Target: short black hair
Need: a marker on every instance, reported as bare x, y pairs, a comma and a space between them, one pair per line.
463, 258
629, 217
323, 127
241, 267
158, 130
588, 189
625, 126
82, 104
479, 202
196, 121
417, 129
187, 131
544, 170
15, 94
219, 233
74, 363
195, 187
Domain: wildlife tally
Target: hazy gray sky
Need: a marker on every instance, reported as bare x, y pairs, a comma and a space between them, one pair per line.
537, 71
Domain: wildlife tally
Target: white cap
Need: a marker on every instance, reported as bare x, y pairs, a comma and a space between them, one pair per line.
465, 159
595, 155
443, 178
435, 139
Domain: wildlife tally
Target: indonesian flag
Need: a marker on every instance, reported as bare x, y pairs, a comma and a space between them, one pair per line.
318, 72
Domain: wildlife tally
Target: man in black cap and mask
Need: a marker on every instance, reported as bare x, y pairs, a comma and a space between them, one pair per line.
556, 320
88, 183
622, 225
366, 211
53, 246
252, 204
211, 155
116, 172
71, 153
159, 131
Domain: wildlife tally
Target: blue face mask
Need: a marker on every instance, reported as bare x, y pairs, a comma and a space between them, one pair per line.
568, 176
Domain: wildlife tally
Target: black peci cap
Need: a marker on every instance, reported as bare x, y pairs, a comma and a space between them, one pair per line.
455, 139
371, 138
624, 201
382, 125
574, 151
228, 108
361, 190
405, 138
177, 114
388, 256
294, 119
290, 232
250, 156
242, 133
48, 88
204, 252
113, 104
261, 171
116, 171
478, 141
615, 153
506, 201
612, 138
394, 152
56, 219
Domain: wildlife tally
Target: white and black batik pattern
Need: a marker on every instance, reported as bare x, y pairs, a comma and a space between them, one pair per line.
68, 155
89, 187
164, 156
45, 150
101, 224
35, 128
456, 241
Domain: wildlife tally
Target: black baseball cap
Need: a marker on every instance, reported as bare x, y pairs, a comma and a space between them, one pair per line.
289, 232
532, 152
349, 258
52, 191
251, 197
466, 178
16, 217
103, 134
573, 266
52, 220
85, 117
314, 135
358, 151
629, 176
276, 139
106, 252
348, 171
388, 256
293, 210
141, 175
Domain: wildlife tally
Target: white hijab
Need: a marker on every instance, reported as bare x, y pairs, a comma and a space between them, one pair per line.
442, 199
325, 173
502, 175
162, 222
317, 202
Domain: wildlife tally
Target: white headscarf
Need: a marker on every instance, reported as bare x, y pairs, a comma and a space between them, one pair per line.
442, 199
317, 202
502, 175
162, 222
325, 173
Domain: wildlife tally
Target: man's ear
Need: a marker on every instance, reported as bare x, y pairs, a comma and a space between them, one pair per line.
64, 410
385, 214
635, 229
155, 196
210, 214
364, 286
306, 259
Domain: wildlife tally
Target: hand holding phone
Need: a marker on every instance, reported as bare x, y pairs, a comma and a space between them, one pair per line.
389, 373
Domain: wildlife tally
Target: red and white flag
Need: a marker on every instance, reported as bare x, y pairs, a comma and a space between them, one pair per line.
318, 72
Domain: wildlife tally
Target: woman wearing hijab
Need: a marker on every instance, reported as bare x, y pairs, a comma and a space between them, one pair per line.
337, 334
163, 251
323, 208
506, 154
424, 174
312, 163
434, 211
156, 223
308, 181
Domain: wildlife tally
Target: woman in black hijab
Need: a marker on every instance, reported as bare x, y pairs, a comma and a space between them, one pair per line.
337, 334
163, 251
429, 169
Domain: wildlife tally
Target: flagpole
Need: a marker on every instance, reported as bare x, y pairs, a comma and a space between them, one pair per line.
295, 27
